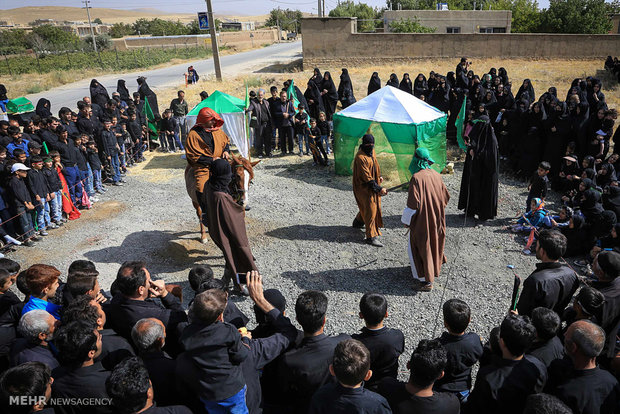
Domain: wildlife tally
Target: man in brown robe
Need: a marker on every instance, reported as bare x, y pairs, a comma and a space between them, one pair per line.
226, 221
206, 142
426, 218
368, 191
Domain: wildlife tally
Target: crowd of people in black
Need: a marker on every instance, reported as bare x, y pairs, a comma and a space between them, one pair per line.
71, 347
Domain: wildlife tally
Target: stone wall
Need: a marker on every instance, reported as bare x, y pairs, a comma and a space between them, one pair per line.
469, 21
334, 42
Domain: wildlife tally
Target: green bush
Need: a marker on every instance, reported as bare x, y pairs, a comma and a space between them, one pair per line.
130, 59
410, 26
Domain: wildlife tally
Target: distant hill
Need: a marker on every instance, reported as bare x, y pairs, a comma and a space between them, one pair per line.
24, 15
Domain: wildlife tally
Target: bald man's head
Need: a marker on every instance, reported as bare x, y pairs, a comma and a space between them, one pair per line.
585, 338
148, 334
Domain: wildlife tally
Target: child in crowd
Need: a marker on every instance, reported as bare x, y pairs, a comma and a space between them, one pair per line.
94, 163
42, 281
562, 219
166, 132
218, 349
531, 222
351, 367
22, 203
314, 135
82, 164
39, 192
384, 344
463, 349
7, 298
538, 184
302, 129
55, 188
325, 131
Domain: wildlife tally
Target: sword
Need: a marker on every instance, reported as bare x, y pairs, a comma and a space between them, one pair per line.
398, 186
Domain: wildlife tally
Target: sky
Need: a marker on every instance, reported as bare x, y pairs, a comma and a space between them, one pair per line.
238, 7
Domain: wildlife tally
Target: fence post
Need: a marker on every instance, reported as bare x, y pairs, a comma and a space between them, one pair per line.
135, 59
8, 65
116, 51
99, 57
68, 59
38, 63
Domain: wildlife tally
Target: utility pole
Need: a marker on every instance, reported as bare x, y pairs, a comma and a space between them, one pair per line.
323, 8
319, 9
92, 33
216, 50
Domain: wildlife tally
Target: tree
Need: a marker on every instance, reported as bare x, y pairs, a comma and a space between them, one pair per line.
410, 26
13, 41
289, 20
576, 16
119, 30
525, 14
431, 4
360, 10
54, 37
98, 21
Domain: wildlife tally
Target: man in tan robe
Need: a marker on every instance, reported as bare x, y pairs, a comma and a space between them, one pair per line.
426, 218
368, 191
206, 142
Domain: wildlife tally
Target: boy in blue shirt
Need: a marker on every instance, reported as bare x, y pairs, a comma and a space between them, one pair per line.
42, 282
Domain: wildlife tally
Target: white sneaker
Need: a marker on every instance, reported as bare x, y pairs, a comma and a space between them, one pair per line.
11, 240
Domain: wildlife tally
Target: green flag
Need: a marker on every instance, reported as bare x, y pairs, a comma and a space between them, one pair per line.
292, 96
460, 124
150, 117
247, 96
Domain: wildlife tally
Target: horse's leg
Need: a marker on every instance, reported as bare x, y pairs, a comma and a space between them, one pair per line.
203, 232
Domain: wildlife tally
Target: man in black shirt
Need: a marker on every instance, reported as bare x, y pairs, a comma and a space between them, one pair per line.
132, 392
502, 386
22, 203
607, 269
261, 110
36, 328
65, 120
351, 367
31, 380
149, 336
112, 151
547, 347
79, 376
40, 194
426, 366
552, 284
463, 349
385, 344
85, 124
132, 302
585, 388
69, 158
305, 369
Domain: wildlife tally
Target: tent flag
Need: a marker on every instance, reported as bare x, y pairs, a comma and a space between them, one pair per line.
247, 97
150, 117
460, 123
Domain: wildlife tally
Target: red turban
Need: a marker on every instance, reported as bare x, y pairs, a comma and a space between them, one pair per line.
207, 114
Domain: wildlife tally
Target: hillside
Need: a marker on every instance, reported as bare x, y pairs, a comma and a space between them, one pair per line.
24, 15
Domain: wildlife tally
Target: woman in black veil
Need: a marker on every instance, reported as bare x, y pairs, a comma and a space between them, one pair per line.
345, 90
98, 93
374, 84
526, 87
123, 91
393, 81
330, 95
420, 86
314, 99
406, 85
43, 108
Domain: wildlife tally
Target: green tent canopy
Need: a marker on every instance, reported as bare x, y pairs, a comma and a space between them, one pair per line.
19, 106
232, 111
399, 122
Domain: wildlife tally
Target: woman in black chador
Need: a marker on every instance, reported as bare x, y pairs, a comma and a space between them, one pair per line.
374, 84
329, 94
345, 90
406, 85
478, 195
393, 81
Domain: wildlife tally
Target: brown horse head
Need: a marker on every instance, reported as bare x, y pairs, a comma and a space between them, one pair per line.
243, 169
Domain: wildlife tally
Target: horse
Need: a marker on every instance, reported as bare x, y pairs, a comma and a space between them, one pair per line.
243, 170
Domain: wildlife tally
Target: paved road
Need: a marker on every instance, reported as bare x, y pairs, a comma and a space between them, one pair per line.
68, 95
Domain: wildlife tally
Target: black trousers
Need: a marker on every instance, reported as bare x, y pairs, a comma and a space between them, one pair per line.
285, 134
262, 138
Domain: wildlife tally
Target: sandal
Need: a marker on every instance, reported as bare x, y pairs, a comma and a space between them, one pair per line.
424, 287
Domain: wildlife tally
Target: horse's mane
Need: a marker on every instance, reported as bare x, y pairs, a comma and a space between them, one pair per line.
247, 165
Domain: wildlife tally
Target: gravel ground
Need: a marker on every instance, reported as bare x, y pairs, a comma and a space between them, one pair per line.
301, 235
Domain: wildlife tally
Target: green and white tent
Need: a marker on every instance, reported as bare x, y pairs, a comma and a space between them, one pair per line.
232, 111
400, 123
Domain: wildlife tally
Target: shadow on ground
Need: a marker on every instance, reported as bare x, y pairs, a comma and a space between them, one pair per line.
388, 281
164, 162
164, 251
313, 174
334, 234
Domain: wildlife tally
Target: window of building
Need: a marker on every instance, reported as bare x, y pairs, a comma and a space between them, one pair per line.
499, 30
486, 30
492, 30
453, 30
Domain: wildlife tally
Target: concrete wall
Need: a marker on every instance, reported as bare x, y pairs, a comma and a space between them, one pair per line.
469, 21
333, 41
242, 40
615, 21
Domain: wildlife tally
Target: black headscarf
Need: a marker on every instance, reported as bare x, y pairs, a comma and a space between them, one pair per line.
221, 176
405, 84
43, 108
393, 81
420, 87
122, 90
317, 77
329, 86
98, 93
502, 73
374, 84
368, 144
529, 89
3, 96
345, 89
